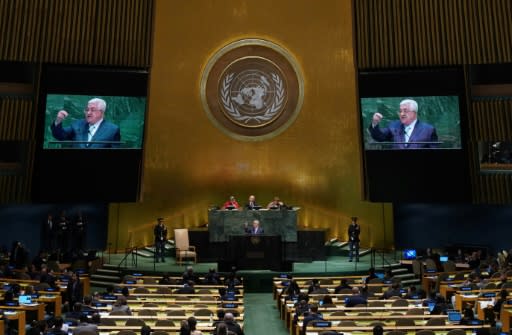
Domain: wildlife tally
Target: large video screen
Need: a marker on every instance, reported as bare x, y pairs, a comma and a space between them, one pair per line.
413, 135
421, 122
90, 125
70, 118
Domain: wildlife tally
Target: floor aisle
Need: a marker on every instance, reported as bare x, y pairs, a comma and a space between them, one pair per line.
262, 316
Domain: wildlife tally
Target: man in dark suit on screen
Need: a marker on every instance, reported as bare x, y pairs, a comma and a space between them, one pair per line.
406, 133
91, 132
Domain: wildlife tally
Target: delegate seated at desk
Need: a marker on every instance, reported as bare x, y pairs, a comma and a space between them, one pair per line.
275, 204
255, 229
252, 204
231, 203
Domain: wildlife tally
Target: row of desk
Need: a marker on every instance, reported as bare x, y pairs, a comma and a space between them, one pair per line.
360, 317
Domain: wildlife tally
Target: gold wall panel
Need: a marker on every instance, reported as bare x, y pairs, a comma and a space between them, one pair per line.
190, 165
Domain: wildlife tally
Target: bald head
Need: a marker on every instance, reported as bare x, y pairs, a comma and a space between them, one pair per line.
229, 317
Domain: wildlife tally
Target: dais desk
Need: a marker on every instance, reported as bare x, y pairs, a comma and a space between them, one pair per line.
225, 223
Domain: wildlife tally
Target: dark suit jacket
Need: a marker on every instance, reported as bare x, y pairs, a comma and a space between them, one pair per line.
253, 206
74, 292
353, 300
422, 132
353, 232
185, 290
253, 232
79, 129
309, 318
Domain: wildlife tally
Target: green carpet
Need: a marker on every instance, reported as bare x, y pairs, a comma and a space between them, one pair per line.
262, 315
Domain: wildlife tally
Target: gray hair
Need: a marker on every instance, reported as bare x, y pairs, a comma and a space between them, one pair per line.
100, 103
411, 103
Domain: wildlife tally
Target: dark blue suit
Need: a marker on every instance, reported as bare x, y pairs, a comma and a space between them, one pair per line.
354, 300
252, 231
422, 132
79, 129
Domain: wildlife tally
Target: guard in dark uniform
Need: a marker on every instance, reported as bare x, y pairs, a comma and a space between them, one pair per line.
160, 232
353, 239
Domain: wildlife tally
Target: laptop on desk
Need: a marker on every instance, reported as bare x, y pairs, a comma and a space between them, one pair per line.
454, 317
26, 300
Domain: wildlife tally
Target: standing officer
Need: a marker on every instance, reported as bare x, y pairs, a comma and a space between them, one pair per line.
160, 232
353, 239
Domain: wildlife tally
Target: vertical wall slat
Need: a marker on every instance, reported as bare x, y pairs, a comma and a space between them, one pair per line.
433, 32
103, 32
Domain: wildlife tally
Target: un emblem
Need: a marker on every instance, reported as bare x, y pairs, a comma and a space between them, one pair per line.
252, 89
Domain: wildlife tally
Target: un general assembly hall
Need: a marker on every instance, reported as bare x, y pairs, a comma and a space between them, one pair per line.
230, 166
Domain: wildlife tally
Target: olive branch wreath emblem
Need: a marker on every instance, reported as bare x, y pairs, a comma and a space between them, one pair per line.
270, 112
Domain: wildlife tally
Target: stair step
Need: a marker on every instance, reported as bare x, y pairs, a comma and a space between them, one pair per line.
394, 265
99, 283
110, 266
106, 277
363, 252
399, 270
404, 276
410, 282
107, 271
144, 253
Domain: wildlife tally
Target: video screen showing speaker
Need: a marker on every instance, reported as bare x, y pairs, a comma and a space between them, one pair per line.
412, 133
93, 122
91, 134
423, 122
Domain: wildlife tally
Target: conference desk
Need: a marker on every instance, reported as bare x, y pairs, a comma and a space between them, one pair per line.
31, 312
225, 223
18, 317
506, 316
407, 329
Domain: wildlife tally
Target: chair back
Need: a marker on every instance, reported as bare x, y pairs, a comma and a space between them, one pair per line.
400, 303
435, 322
160, 332
181, 238
405, 322
430, 264
107, 322
135, 322
449, 266
417, 268
456, 332
164, 323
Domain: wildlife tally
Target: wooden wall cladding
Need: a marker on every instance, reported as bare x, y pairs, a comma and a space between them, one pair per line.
102, 32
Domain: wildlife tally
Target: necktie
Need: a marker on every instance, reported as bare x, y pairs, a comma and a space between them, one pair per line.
407, 133
90, 133
402, 133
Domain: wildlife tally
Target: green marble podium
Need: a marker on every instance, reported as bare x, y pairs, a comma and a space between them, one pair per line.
225, 223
